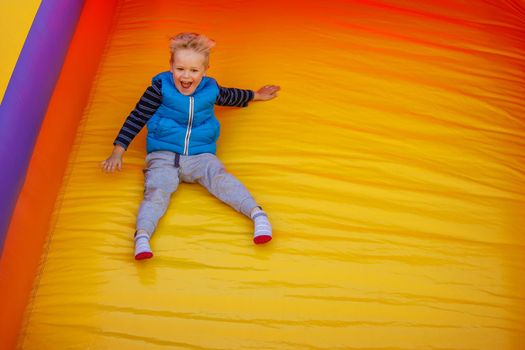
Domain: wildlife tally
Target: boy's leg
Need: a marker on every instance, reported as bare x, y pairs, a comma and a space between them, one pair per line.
209, 171
161, 180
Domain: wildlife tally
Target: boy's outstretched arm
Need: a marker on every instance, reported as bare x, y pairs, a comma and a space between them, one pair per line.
234, 97
145, 108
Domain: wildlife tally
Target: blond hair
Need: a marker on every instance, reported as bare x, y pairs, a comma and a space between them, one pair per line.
193, 41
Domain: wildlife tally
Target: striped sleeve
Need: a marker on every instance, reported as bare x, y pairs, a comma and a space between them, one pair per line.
145, 108
234, 97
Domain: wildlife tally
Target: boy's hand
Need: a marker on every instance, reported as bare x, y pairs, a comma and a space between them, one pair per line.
266, 93
114, 161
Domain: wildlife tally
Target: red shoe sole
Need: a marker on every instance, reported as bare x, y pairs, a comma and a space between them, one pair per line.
143, 255
262, 239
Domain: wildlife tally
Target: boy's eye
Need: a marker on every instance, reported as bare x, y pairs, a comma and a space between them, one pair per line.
194, 70
179, 69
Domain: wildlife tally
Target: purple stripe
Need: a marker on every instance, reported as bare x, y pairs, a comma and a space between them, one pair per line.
28, 93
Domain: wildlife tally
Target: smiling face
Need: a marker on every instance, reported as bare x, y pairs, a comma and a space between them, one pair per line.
188, 69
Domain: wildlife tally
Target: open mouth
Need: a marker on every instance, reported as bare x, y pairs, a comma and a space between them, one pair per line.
185, 84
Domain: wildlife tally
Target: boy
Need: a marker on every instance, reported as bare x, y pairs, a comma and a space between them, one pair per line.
181, 140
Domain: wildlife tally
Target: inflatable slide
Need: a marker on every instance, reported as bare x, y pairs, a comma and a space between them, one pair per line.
391, 165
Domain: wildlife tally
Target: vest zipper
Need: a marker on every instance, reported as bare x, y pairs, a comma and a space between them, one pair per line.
188, 130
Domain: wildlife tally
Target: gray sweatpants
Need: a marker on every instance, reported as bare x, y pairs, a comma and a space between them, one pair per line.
163, 175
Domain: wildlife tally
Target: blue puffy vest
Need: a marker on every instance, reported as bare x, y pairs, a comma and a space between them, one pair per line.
184, 124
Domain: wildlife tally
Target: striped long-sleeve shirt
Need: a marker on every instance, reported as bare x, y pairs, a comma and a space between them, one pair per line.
151, 100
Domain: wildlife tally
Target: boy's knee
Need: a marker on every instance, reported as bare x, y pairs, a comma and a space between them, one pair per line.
156, 195
214, 168
166, 182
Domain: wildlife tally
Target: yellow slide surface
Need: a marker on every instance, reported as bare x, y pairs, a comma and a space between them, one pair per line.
391, 166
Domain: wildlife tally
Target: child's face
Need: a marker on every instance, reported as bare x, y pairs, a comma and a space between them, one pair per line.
188, 70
